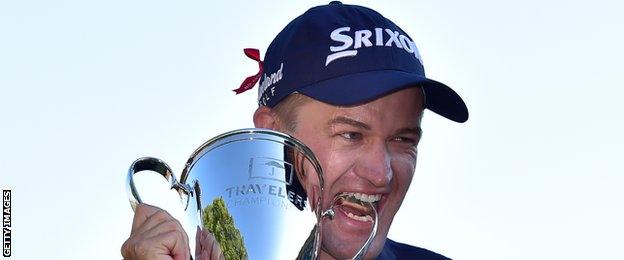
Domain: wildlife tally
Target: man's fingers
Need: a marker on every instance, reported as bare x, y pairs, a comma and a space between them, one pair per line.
174, 243
207, 247
167, 245
141, 214
211, 247
205, 240
160, 222
155, 235
216, 249
198, 243
157, 227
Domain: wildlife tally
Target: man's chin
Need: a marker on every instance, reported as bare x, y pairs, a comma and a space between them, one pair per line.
334, 253
340, 248
346, 248
343, 254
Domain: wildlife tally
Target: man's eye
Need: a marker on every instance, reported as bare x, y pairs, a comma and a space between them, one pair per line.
407, 140
351, 135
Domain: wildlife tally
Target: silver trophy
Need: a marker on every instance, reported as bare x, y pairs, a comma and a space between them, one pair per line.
257, 190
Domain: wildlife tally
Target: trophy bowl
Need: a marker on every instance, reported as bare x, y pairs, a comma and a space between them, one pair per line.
257, 190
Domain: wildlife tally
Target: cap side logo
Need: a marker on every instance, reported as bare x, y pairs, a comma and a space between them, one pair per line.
269, 81
362, 38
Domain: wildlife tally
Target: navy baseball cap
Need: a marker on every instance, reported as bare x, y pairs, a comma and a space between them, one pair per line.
346, 55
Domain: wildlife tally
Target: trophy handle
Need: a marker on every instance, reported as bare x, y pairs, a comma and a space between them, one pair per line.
360, 254
329, 213
158, 166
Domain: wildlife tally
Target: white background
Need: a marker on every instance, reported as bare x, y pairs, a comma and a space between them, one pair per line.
86, 87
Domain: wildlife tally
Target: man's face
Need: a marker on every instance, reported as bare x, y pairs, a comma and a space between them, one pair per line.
367, 149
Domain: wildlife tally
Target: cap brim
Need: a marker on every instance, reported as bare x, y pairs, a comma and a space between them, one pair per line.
358, 88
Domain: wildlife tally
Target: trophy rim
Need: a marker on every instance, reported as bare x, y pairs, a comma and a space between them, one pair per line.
288, 139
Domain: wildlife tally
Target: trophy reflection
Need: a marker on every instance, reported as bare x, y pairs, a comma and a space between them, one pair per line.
257, 191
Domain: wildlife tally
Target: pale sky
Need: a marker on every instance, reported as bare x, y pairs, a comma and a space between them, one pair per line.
86, 87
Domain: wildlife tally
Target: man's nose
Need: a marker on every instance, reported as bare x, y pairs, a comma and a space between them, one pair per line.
374, 164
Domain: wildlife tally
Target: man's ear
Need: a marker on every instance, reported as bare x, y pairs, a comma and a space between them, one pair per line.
265, 118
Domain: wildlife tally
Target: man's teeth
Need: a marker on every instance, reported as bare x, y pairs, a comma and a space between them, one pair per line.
360, 218
365, 197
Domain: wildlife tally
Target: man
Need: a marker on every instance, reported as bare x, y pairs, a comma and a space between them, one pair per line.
350, 84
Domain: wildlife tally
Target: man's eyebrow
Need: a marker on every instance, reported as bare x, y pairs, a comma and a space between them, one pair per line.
411, 130
348, 121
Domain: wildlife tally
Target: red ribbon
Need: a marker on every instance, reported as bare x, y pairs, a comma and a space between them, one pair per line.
251, 81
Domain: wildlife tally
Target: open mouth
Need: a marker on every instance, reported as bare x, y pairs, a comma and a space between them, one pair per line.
358, 206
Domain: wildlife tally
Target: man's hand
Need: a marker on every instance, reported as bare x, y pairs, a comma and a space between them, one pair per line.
207, 247
155, 235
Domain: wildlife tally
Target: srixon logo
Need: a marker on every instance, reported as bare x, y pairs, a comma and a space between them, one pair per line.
367, 38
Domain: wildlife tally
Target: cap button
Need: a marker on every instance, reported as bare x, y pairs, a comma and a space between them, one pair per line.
335, 3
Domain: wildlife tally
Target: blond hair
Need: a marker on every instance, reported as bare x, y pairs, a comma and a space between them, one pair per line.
287, 110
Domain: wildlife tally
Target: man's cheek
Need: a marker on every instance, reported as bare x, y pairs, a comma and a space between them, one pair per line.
404, 161
403, 170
